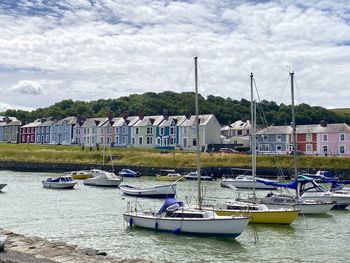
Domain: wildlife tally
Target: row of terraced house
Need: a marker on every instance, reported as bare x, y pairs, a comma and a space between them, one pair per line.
159, 131
315, 139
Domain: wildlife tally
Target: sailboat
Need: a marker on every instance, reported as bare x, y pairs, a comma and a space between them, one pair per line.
175, 217
310, 206
259, 213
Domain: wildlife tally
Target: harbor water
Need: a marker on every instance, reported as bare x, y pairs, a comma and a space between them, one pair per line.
93, 217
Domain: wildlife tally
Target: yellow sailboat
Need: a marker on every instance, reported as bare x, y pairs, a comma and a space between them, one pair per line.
259, 213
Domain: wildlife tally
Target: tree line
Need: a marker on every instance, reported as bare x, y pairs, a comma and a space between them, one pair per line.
226, 110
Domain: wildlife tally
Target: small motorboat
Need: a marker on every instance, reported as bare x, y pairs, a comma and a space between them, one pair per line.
61, 182
247, 182
104, 178
129, 173
193, 176
2, 186
169, 175
163, 191
79, 175
2, 242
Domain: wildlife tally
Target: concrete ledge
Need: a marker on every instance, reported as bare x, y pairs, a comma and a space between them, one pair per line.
20, 248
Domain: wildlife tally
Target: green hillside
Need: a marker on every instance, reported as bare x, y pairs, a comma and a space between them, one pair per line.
226, 110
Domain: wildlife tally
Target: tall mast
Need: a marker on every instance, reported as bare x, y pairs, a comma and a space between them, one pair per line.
197, 133
253, 123
294, 134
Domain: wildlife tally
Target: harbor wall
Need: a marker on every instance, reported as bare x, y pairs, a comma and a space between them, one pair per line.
217, 172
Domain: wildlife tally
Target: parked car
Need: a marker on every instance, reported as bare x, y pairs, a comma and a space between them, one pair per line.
228, 150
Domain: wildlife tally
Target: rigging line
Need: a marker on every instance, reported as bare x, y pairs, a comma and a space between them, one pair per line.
278, 162
284, 88
189, 70
201, 73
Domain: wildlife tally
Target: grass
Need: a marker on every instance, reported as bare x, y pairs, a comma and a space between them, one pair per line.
157, 158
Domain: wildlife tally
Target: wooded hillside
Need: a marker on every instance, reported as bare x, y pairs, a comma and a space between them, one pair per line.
225, 109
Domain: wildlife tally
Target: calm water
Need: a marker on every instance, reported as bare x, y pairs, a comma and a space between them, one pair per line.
92, 217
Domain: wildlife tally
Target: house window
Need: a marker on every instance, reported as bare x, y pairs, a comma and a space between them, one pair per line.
101, 140
117, 139
102, 131
265, 137
239, 132
342, 137
308, 148
194, 142
325, 149
185, 130
265, 147
108, 139
47, 138
325, 137
137, 131
38, 138
158, 141
47, 129
149, 140
172, 141
124, 139
140, 140
309, 137
32, 138
278, 147
125, 130
116, 130
149, 130
133, 140
109, 130
172, 130
278, 138
341, 149
161, 131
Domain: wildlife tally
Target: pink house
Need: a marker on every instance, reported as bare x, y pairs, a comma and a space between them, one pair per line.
333, 139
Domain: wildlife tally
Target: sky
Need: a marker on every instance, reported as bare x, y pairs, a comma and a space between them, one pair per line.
105, 49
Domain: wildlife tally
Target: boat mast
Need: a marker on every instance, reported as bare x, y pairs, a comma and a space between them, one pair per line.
197, 133
294, 134
253, 123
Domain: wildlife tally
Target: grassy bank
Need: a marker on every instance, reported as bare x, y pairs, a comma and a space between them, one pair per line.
157, 158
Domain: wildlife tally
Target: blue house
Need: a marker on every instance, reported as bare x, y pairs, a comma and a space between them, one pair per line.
62, 131
168, 133
2, 124
122, 129
42, 132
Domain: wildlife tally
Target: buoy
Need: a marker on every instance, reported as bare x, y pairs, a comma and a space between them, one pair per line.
177, 231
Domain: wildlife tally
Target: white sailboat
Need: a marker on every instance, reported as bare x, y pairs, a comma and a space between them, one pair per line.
309, 206
174, 216
259, 213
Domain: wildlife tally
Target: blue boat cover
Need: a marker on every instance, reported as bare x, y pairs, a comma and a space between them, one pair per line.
290, 185
168, 202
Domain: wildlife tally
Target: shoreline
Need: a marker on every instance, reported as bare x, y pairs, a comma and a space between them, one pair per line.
218, 172
20, 248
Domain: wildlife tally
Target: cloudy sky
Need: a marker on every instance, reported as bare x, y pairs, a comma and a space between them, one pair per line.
52, 50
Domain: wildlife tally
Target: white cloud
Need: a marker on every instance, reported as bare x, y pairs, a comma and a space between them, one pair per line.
113, 48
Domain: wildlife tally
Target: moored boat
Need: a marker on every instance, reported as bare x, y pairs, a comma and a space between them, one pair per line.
103, 178
79, 175
247, 182
61, 182
194, 176
2, 186
162, 191
170, 175
129, 173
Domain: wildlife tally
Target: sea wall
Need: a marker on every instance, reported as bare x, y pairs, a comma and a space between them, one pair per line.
20, 248
218, 172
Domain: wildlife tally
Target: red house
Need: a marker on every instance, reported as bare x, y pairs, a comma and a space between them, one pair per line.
27, 132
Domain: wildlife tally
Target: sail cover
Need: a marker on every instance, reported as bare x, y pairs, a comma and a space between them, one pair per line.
290, 185
168, 202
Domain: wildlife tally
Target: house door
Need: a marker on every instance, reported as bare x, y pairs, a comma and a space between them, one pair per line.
42, 139
185, 142
165, 141
325, 149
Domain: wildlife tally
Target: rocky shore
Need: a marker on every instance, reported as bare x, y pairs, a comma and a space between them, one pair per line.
20, 248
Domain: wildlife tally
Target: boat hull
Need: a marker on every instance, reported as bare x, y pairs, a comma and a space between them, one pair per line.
2, 186
60, 185
170, 178
232, 227
307, 209
246, 185
342, 201
285, 217
166, 191
102, 183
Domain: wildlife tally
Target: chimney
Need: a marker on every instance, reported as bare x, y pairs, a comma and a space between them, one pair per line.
141, 115
323, 123
165, 114
110, 116
125, 115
